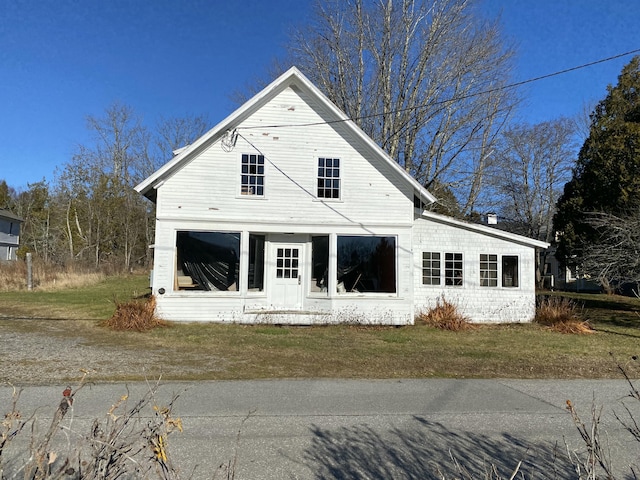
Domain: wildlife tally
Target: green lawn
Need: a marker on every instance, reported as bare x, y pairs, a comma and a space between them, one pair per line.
516, 350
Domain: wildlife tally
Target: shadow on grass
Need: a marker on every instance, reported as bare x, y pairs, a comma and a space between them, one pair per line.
612, 310
428, 450
610, 303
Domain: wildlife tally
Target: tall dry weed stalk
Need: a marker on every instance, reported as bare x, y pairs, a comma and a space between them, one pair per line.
594, 461
130, 441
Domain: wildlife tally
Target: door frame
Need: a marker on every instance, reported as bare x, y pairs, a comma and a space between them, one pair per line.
279, 288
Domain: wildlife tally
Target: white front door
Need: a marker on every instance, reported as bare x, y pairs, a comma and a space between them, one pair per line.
287, 275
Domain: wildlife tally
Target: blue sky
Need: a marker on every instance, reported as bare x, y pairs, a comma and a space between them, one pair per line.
61, 61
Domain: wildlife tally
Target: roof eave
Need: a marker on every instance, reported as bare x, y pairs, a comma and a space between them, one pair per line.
486, 230
149, 185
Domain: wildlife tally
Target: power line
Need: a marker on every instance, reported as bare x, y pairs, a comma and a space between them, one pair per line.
455, 99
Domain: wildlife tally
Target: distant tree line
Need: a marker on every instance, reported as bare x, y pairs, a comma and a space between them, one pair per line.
89, 213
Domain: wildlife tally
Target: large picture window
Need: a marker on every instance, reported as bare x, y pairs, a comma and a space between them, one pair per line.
207, 261
252, 178
366, 264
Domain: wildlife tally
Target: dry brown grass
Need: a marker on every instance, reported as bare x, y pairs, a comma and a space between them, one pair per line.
445, 316
560, 314
46, 277
135, 315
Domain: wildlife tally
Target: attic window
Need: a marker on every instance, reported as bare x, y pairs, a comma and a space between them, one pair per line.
328, 177
252, 178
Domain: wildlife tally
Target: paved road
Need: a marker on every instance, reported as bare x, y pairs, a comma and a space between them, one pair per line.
325, 429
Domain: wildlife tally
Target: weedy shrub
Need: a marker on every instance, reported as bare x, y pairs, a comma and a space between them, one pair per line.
135, 315
445, 316
561, 315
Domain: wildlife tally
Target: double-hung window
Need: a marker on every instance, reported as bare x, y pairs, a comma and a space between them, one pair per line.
431, 268
328, 177
488, 270
252, 178
453, 269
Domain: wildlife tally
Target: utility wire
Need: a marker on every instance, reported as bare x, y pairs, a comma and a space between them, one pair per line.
455, 99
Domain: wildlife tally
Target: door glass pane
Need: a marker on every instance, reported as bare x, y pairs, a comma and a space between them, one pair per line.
287, 263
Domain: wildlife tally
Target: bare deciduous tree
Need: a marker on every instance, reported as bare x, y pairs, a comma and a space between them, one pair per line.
424, 78
104, 215
173, 133
529, 168
615, 257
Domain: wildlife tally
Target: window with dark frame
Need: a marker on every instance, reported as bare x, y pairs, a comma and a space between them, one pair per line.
328, 177
320, 262
453, 269
255, 282
252, 178
431, 268
509, 271
488, 270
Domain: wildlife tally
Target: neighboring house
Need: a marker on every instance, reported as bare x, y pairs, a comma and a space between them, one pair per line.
9, 235
560, 277
286, 212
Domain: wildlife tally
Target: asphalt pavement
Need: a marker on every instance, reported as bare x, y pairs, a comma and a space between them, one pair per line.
369, 429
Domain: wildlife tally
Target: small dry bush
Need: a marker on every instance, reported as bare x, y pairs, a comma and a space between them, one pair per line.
562, 315
135, 315
445, 316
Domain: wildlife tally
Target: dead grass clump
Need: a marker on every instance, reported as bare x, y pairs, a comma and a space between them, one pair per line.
560, 314
135, 315
445, 316
46, 276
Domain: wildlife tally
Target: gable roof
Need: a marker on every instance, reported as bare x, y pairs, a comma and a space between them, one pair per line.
484, 229
292, 77
10, 216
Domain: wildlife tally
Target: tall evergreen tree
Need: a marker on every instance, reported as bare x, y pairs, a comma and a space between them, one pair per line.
606, 178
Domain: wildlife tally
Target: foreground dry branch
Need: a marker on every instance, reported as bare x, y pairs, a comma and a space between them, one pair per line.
123, 444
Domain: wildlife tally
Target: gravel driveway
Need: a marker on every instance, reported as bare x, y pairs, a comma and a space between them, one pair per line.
40, 352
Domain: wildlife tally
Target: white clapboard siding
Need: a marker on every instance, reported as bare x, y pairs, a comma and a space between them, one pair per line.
480, 304
208, 187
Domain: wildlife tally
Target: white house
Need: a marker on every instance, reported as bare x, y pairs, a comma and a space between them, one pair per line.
286, 212
9, 235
